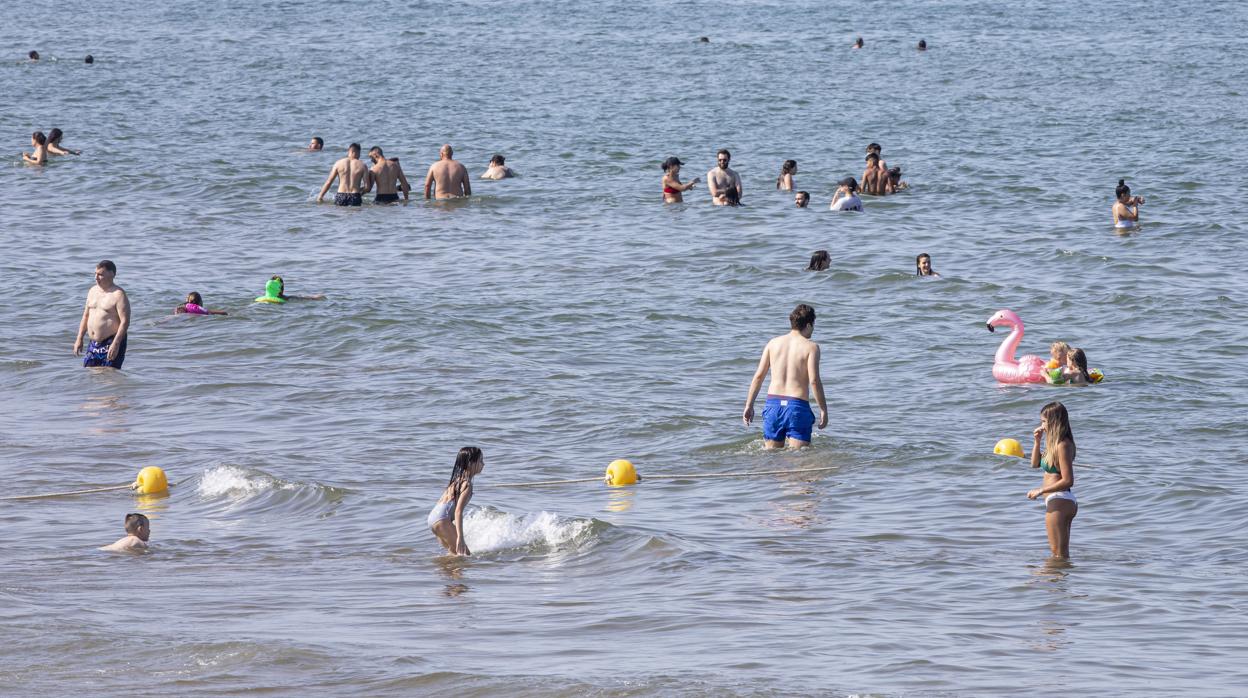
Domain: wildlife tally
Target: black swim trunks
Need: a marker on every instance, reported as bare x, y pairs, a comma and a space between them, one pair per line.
341, 199
386, 198
97, 353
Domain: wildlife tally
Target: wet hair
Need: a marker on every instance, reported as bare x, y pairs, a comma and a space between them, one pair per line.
723, 151
318, 140
376, 149
858, 42
89, 59
461, 473
732, 196
39, 137
805, 197
787, 168
33, 55
873, 148
498, 160
354, 147
1122, 190
922, 44
803, 316
1056, 427
704, 39
55, 135
849, 182
107, 264
894, 174
1081, 360
873, 158
194, 297
921, 257
134, 521
819, 261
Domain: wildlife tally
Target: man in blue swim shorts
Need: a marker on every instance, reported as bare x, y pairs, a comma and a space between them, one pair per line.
793, 361
106, 318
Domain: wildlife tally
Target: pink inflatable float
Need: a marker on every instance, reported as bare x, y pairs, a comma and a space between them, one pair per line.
1028, 368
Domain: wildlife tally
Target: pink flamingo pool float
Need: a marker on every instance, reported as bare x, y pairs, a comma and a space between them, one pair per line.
1029, 368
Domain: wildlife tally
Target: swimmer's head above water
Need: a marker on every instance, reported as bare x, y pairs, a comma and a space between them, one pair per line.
138, 526
922, 44
802, 199
33, 55
1123, 193
819, 261
316, 144
497, 161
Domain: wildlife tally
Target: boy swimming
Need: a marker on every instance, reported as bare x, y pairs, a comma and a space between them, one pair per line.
138, 530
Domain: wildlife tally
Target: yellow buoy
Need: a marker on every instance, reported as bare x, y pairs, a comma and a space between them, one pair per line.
621, 472
1008, 447
151, 480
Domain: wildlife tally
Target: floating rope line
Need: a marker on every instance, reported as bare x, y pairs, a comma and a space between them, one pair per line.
75, 493
690, 476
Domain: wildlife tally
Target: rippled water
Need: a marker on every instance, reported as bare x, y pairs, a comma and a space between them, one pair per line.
567, 318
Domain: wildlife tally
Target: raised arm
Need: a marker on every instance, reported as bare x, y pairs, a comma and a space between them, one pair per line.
812, 370
333, 174
1037, 435
756, 383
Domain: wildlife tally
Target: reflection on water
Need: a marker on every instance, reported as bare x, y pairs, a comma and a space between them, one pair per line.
109, 409
799, 507
620, 499
1052, 576
451, 568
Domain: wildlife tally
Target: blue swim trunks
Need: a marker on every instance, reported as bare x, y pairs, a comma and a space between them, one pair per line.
787, 417
97, 353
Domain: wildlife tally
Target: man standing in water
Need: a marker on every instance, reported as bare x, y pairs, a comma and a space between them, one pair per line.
448, 177
349, 172
794, 364
721, 178
385, 174
106, 318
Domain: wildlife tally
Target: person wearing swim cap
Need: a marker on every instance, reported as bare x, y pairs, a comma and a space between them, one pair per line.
194, 305
275, 292
106, 319
138, 532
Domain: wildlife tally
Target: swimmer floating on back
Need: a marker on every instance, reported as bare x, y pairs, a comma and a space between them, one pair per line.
446, 519
138, 530
194, 305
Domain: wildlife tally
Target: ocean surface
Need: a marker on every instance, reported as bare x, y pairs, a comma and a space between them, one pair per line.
566, 318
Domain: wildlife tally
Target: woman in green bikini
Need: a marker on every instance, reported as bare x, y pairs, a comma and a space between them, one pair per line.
1058, 464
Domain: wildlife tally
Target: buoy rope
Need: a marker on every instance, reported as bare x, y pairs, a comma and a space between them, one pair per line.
687, 476
50, 495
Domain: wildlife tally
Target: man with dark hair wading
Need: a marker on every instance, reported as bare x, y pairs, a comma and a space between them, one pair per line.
794, 364
349, 172
106, 319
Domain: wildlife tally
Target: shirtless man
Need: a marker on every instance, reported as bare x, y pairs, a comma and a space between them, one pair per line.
350, 173
449, 177
386, 174
498, 169
794, 363
138, 530
873, 179
721, 178
106, 318
316, 144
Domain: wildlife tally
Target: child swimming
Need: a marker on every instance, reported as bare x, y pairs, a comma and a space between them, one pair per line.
446, 519
138, 530
194, 305
1058, 352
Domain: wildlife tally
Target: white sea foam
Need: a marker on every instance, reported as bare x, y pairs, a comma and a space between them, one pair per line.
232, 481
489, 530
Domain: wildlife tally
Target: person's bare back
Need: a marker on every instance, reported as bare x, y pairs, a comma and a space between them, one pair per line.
351, 173
793, 361
448, 178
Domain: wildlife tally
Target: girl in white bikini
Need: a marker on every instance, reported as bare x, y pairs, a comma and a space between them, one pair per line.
1058, 464
446, 520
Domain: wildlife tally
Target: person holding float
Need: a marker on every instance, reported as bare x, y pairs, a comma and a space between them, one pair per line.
194, 305
1058, 464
